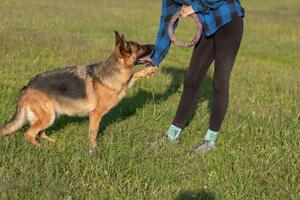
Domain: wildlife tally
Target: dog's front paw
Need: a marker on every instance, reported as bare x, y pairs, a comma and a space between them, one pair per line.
93, 152
147, 71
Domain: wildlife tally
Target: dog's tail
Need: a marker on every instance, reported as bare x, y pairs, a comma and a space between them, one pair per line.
14, 124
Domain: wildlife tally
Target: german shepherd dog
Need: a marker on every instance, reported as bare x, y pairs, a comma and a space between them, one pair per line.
90, 90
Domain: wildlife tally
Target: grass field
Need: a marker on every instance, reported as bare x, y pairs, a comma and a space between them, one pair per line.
259, 145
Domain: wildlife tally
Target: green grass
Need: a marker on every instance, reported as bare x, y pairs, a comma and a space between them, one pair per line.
258, 148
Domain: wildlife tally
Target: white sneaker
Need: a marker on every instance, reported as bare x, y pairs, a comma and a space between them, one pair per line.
202, 147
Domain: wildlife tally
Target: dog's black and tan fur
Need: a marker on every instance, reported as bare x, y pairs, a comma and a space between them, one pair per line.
90, 90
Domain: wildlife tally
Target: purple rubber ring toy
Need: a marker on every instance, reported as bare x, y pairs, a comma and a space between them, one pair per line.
179, 43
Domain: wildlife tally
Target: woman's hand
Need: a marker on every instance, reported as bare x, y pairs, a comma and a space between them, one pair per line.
186, 11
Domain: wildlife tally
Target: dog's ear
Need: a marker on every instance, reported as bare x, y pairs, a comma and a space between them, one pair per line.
122, 45
126, 45
119, 39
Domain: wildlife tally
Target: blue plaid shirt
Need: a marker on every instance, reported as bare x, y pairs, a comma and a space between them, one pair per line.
212, 13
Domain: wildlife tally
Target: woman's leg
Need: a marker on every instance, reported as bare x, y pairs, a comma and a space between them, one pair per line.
202, 58
227, 43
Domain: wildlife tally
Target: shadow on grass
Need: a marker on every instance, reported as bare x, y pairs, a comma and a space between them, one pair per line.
196, 195
129, 105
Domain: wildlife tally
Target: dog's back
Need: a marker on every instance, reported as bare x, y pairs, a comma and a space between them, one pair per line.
62, 82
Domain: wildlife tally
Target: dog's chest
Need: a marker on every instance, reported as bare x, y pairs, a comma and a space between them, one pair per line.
108, 92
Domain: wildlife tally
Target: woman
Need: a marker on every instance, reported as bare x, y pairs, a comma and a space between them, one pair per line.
222, 22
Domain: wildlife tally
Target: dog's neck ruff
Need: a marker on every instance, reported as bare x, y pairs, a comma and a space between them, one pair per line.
104, 69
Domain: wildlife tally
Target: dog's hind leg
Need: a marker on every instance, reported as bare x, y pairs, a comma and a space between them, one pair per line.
41, 122
40, 113
40, 119
32, 132
46, 137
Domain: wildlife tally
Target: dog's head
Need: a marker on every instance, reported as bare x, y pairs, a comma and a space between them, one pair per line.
131, 53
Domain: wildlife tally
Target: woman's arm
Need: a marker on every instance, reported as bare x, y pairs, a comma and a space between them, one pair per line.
163, 42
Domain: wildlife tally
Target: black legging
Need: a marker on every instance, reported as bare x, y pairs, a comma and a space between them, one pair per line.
221, 47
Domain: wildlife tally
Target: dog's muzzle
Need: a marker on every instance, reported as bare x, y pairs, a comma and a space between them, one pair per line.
144, 58
142, 61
